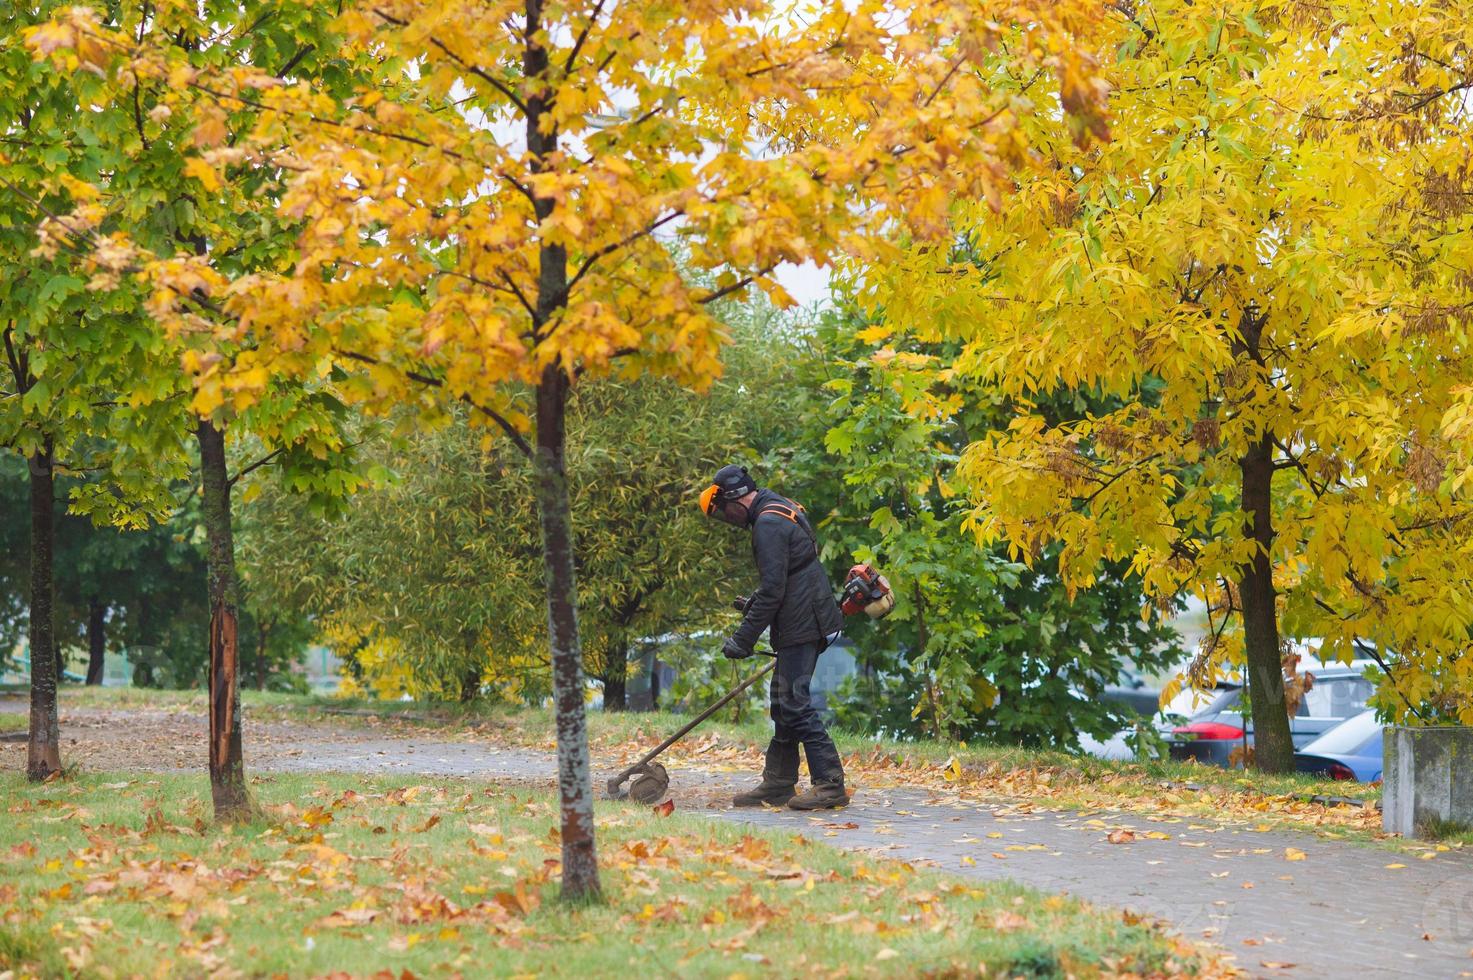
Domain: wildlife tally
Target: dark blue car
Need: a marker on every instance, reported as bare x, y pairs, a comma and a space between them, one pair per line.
1350, 750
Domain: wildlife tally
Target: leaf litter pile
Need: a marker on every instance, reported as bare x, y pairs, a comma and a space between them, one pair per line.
108, 875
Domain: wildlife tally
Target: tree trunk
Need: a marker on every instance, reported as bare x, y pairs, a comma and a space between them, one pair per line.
1273, 746
43, 752
263, 636
227, 768
616, 674
655, 681
96, 640
575, 782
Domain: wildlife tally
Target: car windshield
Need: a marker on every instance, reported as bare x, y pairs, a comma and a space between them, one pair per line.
1360, 735
1226, 701
1337, 697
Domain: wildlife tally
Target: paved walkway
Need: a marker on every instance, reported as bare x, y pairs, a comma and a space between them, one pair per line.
1332, 909
1338, 911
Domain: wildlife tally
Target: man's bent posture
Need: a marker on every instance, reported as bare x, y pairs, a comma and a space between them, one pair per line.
795, 603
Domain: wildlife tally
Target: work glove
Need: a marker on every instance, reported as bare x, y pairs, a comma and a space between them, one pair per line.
740, 603
732, 650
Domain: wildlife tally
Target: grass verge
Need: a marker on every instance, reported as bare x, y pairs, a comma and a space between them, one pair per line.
115, 874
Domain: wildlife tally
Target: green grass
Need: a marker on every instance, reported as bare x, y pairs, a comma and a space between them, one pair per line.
121, 874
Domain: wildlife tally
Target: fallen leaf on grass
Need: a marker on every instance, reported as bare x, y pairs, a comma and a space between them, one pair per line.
666, 808
315, 817
348, 917
1121, 836
886, 954
1009, 922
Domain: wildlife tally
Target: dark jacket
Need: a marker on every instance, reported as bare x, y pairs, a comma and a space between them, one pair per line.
794, 598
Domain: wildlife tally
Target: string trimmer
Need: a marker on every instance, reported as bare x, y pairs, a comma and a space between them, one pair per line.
650, 779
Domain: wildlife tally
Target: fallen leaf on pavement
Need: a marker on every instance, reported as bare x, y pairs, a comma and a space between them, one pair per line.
1121, 836
1294, 854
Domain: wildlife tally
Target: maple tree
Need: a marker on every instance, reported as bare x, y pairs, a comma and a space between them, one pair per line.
483, 218
156, 206
432, 583
82, 393
1268, 266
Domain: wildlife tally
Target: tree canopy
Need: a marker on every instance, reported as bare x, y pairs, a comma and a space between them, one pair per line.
1266, 270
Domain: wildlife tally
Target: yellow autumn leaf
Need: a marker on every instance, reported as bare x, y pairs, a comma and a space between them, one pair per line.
202, 172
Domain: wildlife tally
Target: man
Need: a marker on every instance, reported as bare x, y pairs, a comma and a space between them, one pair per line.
795, 603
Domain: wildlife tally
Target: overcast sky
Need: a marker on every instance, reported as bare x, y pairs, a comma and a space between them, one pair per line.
807, 283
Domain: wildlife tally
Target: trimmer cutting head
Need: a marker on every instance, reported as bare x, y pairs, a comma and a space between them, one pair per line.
647, 784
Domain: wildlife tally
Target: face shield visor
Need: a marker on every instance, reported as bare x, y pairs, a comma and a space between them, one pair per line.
731, 512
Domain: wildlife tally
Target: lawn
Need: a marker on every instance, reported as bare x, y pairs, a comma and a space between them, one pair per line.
114, 874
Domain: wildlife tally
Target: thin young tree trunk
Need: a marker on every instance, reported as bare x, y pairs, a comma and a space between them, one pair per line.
470, 677
575, 783
1273, 745
616, 674
263, 636
575, 780
227, 768
654, 682
43, 752
96, 640
923, 637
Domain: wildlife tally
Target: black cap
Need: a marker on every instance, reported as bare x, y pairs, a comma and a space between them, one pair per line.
733, 482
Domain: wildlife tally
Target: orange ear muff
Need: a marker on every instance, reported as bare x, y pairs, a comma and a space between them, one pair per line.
708, 500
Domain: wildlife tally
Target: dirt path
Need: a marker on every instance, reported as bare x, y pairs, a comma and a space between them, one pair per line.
1272, 899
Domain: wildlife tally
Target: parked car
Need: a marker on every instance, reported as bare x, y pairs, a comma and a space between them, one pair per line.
1186, 703
1214, 733
1132, 690
1350, 750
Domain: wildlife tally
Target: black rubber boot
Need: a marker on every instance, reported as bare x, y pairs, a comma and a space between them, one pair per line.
821, 796
772, 791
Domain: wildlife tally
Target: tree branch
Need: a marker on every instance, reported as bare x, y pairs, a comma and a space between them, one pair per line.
263, 461
734, 287
295, 59
583, 36
516, 437
476, 70
630, 239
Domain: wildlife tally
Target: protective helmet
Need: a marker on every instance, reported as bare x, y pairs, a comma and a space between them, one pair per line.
731, 482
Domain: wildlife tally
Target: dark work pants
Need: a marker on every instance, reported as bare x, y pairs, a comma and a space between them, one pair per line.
795, 720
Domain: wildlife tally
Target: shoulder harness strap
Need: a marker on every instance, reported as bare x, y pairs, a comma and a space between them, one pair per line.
791, 513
